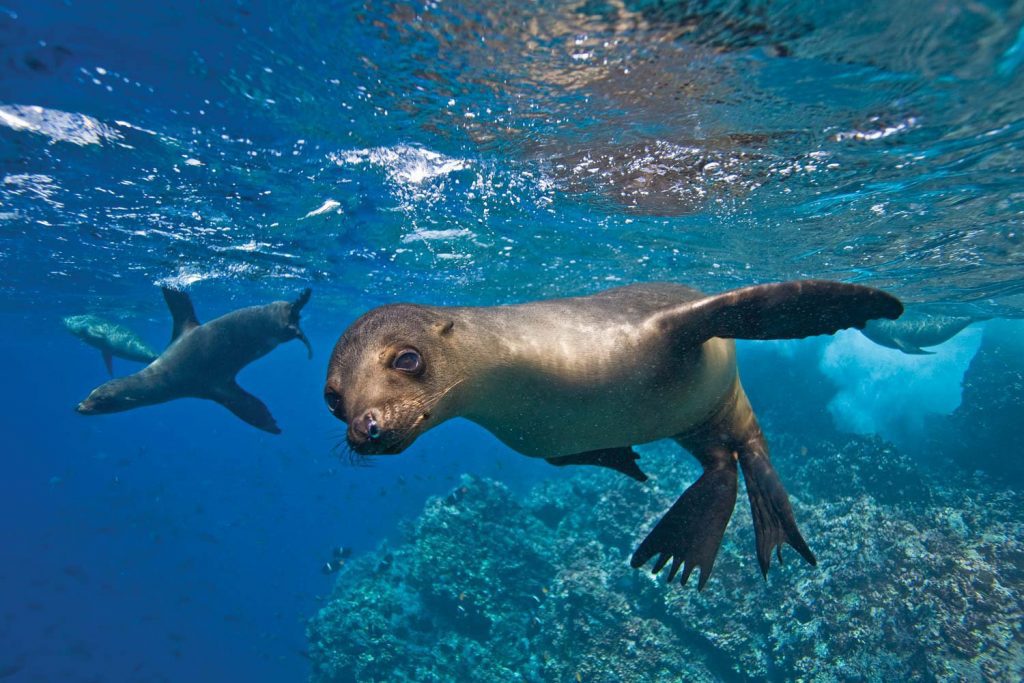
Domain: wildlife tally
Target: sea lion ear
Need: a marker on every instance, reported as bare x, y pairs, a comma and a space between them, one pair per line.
444, 327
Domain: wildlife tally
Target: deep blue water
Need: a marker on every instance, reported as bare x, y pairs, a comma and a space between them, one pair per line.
447, 153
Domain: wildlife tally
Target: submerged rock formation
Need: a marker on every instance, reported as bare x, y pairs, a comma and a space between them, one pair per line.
917, 580
985, 431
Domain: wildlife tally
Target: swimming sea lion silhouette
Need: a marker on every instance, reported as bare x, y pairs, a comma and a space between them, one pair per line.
202, 360
916, 330
111, 339
580, 381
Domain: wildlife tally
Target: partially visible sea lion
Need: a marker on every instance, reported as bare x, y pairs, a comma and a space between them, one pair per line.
111, 339
202, 360
916, 330
582, 380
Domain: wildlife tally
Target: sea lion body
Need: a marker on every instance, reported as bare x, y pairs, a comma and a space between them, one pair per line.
581, 380
914, 332
111, 339
589, 356
202, 360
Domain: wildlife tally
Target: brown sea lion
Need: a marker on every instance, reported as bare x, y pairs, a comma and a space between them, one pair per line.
202, 360
582, 380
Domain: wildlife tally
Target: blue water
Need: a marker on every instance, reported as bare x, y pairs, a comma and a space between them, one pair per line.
451, 152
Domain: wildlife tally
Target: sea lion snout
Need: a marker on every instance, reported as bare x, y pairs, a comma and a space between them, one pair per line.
97, 402
368, 435
366, 427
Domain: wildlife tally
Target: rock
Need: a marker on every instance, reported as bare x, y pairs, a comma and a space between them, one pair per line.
986, 427
917, 580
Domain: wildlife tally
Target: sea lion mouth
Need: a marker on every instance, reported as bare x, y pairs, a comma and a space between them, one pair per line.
372, 439
386, 442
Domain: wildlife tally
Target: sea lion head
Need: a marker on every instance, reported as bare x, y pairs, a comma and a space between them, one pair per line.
111, 397
86, 327
391, 377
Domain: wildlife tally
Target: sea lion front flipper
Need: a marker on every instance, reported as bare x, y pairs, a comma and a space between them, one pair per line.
784, 310
910, 349
246, 406
692, 529
619, 459
182, 311
774, 523
108, 360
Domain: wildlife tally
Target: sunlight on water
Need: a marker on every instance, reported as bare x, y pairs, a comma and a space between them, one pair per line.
865, 158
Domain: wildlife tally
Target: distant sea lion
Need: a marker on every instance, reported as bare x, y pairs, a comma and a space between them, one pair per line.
111, 339
916, 330
582, 380
202, 360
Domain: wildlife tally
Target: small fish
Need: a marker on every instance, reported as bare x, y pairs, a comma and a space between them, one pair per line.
8, 669
111, 339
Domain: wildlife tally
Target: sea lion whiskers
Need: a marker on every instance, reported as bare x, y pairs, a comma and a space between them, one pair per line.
438, 396
420, 403
423, 400
344, 452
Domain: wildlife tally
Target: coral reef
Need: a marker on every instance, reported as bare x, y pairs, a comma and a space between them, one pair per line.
917, 580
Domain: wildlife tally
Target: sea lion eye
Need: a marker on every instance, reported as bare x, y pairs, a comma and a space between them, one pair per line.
332, 399
408, 361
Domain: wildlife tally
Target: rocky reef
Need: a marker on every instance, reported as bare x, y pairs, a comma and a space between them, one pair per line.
984, 432
920, 576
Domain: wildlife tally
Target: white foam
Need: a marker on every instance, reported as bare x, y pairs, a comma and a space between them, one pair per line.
425, 235
887, 392
404, 164
59, 126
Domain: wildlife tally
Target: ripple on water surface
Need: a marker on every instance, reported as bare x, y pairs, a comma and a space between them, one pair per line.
501, 152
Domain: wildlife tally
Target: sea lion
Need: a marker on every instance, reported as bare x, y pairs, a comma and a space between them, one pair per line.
111, 339
582, 380
202, 360
916, 330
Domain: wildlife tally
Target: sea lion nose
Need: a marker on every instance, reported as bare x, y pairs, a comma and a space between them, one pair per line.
366, 426
372, 428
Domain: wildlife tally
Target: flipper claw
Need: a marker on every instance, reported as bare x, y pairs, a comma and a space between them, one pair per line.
691, 531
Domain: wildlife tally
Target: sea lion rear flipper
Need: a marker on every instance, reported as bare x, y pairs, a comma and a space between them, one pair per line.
108, 360
774, 523
182, 312
246, 406
784, 310
293, 321
691, 531
619, 459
